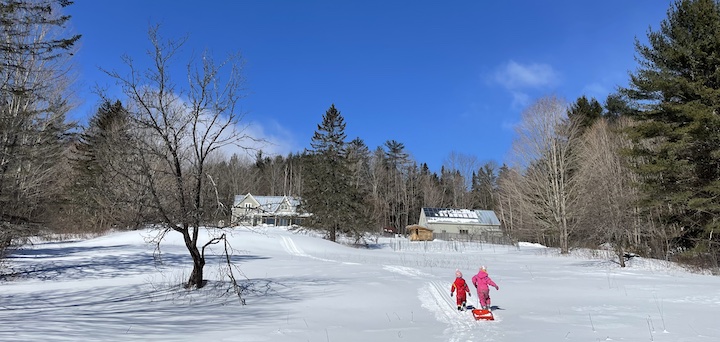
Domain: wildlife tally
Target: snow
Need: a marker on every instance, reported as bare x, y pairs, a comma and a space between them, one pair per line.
303, 288
454, 216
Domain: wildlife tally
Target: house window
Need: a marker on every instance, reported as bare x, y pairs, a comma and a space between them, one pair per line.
463, 232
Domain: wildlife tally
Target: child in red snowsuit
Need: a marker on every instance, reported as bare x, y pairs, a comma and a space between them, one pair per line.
481, 282
461, 286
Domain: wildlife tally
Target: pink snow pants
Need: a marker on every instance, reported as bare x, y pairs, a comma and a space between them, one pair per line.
484, 297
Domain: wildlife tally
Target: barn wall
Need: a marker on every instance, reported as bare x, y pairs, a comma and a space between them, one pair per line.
451, 231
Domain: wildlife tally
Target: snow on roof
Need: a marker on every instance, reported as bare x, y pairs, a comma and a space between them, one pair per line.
464, 216
269, 203
449, 213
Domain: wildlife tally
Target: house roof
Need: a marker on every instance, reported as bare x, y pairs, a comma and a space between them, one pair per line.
463, 216
487, 217
269, 203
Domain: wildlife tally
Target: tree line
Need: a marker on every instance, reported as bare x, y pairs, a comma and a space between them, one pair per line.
637, 174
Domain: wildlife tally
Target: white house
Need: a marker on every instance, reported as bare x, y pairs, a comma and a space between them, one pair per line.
464, 224
267, 210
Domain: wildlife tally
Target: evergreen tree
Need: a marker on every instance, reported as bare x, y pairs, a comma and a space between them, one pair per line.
358, 155
263, 167
328, 193
585, 112
34, 101
358, 158
453, 188
677, 89
616, 106
100, 155
484, 184
415, 192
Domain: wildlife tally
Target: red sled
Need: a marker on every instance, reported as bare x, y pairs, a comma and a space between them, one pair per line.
483, 315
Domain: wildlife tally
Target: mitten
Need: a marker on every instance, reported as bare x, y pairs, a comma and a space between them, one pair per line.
451, 294
497, 287
469, 294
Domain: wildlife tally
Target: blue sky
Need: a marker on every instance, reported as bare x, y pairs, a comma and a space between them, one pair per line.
440, 77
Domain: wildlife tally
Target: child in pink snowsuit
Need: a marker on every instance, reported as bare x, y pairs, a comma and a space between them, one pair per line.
481, 282
461, 286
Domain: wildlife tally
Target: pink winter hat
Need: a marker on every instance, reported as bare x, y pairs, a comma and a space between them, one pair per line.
458, 273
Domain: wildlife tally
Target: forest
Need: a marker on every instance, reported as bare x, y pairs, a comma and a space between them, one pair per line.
637, 173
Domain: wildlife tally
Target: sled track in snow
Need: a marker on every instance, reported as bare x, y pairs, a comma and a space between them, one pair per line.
463, 327
406, 271
292, 249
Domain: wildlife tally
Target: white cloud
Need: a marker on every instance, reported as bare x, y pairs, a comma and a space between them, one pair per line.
509, 125
514, 75
596, 90
272, 139
520, 99
245, 138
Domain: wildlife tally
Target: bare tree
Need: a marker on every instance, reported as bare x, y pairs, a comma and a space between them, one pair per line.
397, 161
378, 178
464, 165
432, 195
35, 97
543, 155
610, 197
176, 130
508, 196
235, 176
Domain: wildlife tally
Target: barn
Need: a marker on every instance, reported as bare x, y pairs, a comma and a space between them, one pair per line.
462, 224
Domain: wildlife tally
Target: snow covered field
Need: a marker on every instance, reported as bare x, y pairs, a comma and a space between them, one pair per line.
302, 288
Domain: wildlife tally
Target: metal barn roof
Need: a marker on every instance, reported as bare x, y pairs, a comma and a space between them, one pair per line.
466, 216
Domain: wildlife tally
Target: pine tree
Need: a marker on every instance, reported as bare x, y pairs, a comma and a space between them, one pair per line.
34, 100
100, 153
585, 112
617, 105
328, 193
677, 90
358, 158
483, 190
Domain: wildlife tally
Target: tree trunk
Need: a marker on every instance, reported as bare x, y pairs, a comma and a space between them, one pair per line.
333, 233
621, 257
196, 277
564, 237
